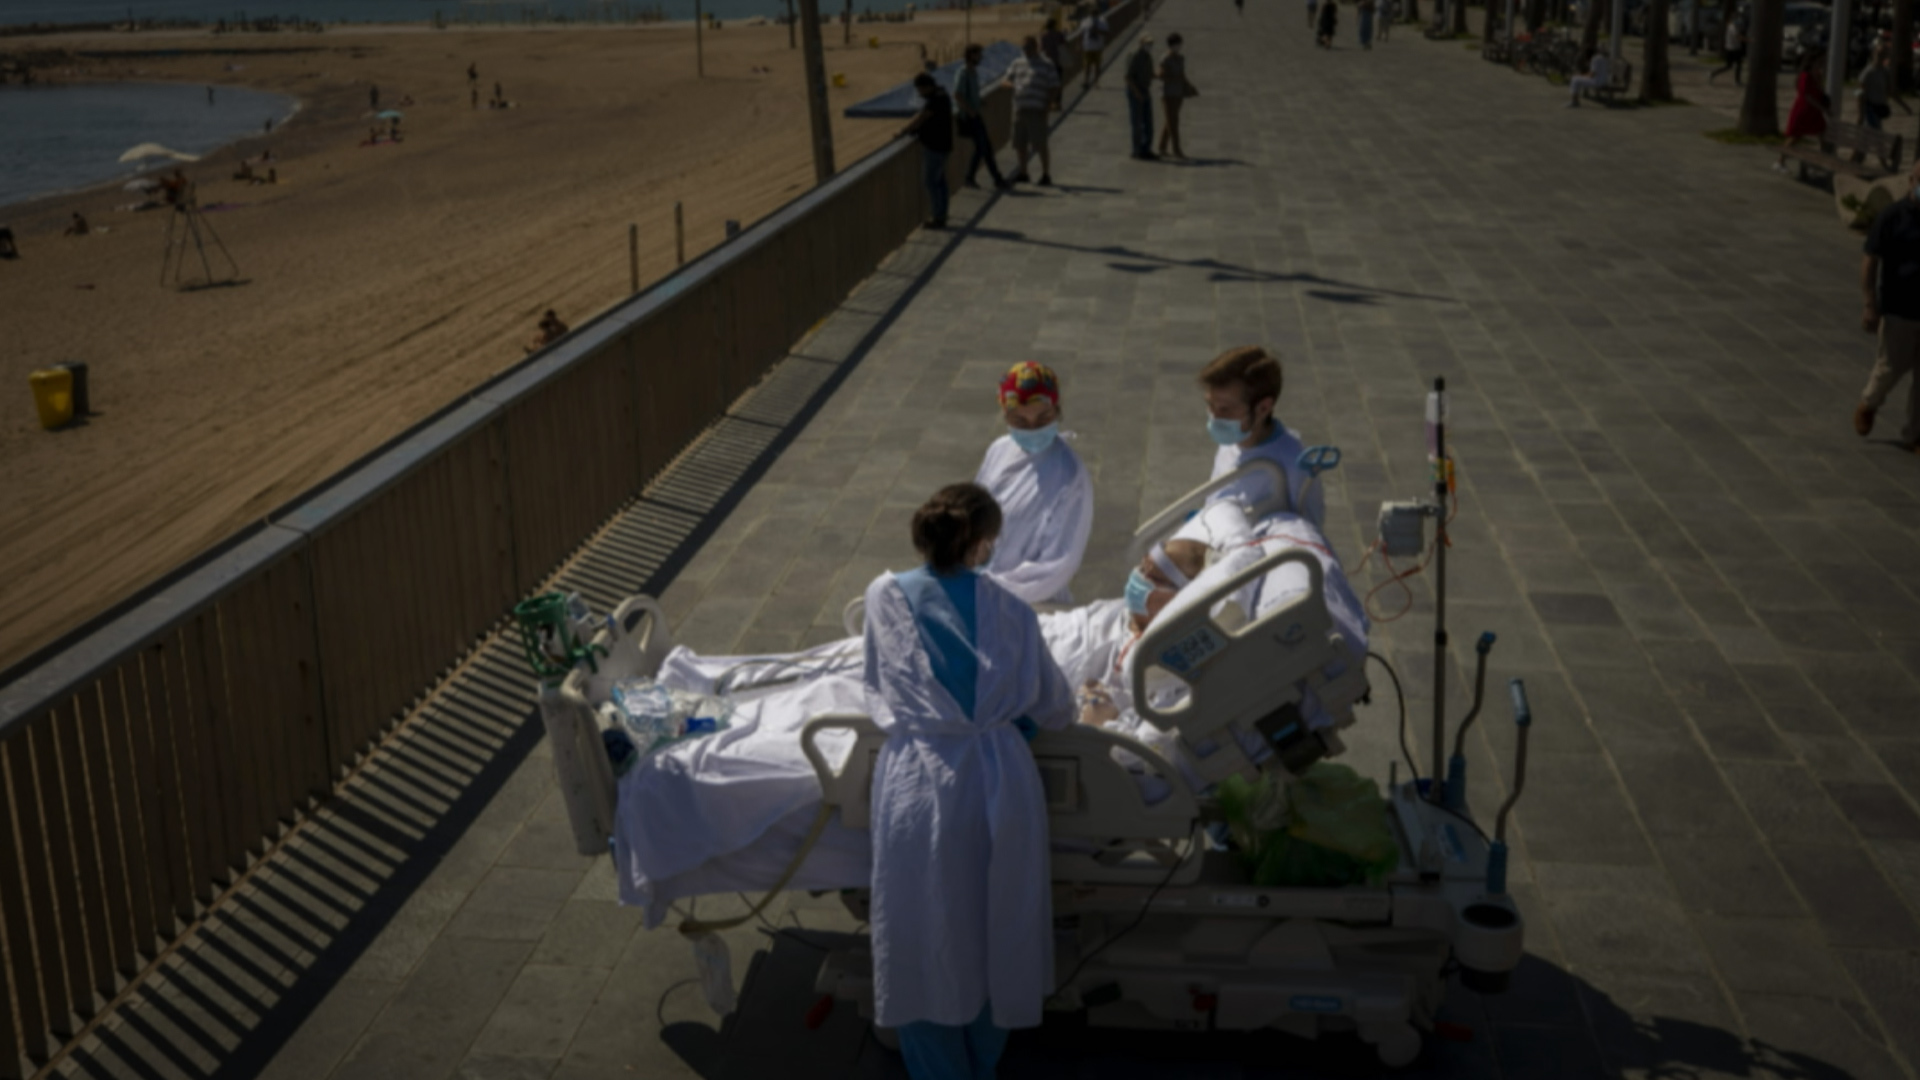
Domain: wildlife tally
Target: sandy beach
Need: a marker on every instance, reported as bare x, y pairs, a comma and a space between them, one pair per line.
379, 281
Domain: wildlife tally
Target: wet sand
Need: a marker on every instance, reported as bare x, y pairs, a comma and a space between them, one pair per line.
379, 282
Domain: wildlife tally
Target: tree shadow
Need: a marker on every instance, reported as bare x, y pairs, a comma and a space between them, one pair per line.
1550, 1024
1133, 261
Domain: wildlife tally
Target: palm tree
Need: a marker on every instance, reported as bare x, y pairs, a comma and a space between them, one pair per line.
1655, 83
1590, 34
1413, 11
1459, 14
1759, 110
1536, 15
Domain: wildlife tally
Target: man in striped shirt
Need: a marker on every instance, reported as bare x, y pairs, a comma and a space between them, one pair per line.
1035, 80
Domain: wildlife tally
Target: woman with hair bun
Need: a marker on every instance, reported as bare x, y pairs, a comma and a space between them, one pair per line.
959, 677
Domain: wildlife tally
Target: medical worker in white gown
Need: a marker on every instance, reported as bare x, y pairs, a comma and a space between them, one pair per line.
958, 676
1045, 494
1242, 388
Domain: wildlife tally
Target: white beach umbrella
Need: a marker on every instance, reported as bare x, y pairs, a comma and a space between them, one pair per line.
155, 150
142, 184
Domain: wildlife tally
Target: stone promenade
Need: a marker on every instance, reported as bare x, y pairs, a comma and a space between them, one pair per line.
1707, 581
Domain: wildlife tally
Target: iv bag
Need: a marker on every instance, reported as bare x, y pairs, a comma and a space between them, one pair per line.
1436, 415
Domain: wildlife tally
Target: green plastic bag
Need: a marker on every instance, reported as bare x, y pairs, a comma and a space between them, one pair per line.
1326, 827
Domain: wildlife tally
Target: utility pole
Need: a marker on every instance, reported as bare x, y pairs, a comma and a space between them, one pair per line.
790, 26
1617, 31
816, 74
846, 25
699, 48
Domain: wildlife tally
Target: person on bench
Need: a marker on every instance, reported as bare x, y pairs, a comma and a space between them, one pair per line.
1599, 74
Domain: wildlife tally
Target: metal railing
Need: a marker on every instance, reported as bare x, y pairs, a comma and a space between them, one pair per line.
151, 757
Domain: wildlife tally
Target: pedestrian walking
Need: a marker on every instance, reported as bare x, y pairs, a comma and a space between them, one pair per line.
1733, 52
373, 98
1808, 117
1175, 89
1052, 44
473, 76
1093, 47
1890, 276
973, 123
1140, 99
1366, 10
1329, 23
1877, 96
1035, 81
933, 126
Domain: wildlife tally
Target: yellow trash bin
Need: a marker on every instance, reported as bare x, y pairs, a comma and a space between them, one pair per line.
839, 81
53, 396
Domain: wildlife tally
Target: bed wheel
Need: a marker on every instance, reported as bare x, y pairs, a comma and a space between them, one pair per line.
1399, 1047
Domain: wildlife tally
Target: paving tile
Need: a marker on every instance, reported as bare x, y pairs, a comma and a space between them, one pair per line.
515, 903
1809, 1035
1854, 904
1610, 917
1655, 1025
1785, 802
541, 1011
1772, 956
1727, 875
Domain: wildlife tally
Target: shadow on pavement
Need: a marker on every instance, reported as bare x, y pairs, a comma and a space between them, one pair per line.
1550, 1024
1142, 262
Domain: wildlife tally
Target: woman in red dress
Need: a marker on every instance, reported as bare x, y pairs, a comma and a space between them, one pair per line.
1808, 116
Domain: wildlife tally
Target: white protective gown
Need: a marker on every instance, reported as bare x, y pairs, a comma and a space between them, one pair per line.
962, 906
1284, 450
1046, 500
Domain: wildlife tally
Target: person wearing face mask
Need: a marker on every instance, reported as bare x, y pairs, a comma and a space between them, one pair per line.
1242, 390
956, 673
1044, 492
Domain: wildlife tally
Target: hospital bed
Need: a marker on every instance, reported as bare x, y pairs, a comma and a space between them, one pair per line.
1154, 929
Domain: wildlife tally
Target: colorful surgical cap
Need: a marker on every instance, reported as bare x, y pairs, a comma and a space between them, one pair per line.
1028, 380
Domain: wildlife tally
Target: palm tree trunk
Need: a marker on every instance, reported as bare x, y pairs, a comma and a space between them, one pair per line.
1655, 83
1459, 17
1536, 15
1903, 45
1413, 12
1590, 34
1759, 110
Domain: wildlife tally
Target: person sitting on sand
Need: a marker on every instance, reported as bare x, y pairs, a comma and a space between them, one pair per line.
7, 250
246, 172
551, 330
79, 226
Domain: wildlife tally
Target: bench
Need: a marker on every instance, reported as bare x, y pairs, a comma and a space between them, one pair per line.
1853, 149
1619, 78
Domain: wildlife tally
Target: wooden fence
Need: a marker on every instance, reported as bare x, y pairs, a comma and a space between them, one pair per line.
158, 753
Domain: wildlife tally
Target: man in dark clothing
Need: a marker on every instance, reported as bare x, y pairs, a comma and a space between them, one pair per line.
973, 124
1890, 277
1140, 99
933, 126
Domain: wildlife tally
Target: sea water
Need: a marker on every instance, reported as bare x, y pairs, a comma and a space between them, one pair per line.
15, 12
59, 138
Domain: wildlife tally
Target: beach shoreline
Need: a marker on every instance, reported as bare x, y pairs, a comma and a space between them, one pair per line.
377, 282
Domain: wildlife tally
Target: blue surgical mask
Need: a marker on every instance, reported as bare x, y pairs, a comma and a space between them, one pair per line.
1138, 589
1037, 439
1224, 432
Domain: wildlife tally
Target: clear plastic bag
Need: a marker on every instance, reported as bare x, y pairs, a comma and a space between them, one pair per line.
655, 717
